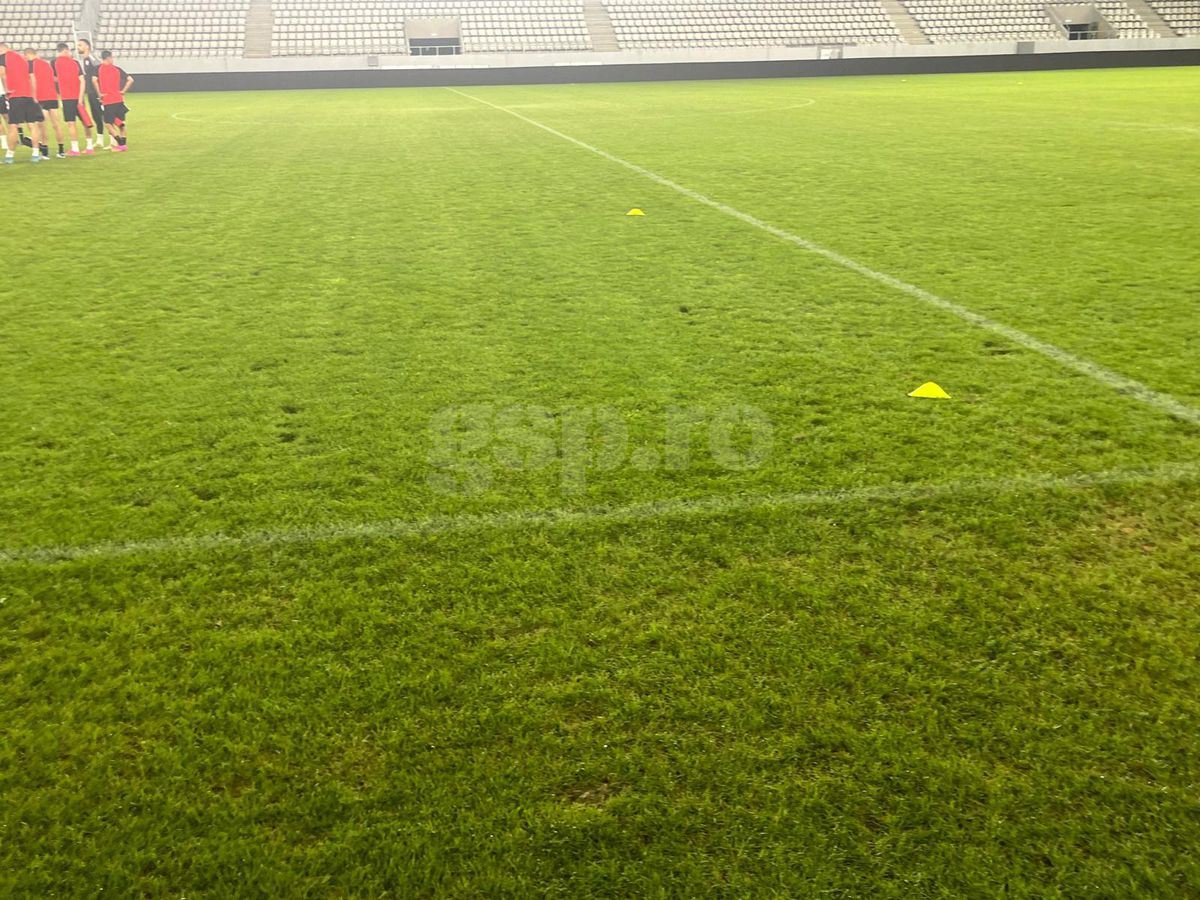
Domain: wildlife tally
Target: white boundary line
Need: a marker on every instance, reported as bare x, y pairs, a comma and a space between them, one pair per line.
805, 104
601, 515
1118, 382
192, 120
762, 111
1152, 126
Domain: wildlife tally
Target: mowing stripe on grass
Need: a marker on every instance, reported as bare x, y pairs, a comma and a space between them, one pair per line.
1115, 380
598, 515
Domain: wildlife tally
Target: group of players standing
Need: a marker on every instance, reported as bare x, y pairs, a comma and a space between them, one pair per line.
91, 91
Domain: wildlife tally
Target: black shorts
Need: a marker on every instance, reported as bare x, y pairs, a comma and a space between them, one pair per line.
116, 113
24, 111
48, 104
71, 111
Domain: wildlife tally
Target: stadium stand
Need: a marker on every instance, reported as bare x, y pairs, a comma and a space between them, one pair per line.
38, 24
317, 27
1127, 23
313, 28
965, 21
334, 27
512, 26
192, 28
950, 21
1182, 15
677, 23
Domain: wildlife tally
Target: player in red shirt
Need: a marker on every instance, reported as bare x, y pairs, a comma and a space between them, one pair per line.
46, 95
113, 83
71, 87
19, 84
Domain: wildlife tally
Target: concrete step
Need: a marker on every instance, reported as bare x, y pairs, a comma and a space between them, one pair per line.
260, 28
599, 26
909, 30
1158, 25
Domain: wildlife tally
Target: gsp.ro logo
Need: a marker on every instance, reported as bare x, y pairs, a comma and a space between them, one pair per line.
473, 445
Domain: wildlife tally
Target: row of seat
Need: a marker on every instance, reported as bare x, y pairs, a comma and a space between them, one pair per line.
953, 21
174, 28
304, 27
676, 23
218, 27
1182, 15
26, 23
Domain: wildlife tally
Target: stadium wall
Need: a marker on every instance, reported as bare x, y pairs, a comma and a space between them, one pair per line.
557, 68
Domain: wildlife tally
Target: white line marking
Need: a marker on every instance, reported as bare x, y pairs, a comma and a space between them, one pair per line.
179, 117
193, 120
805, 104
602, 515
1152, 126
1118, 382
623, 109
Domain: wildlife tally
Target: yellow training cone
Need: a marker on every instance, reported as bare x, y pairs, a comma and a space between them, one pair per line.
930, 391
635, 212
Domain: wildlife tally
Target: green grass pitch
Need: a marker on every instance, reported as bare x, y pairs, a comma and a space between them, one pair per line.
387, 513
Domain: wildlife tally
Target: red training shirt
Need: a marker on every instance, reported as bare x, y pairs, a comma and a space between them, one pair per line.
68, 72
16, 75
111, 79
44, 73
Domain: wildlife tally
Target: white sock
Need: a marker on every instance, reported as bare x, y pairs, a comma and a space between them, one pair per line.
3, 142
8, 154
89, 146
74, 146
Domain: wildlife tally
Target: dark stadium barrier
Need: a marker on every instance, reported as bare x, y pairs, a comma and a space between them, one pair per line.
682, 71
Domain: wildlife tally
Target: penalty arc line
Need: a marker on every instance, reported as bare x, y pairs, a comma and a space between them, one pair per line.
592, 516
1115, 380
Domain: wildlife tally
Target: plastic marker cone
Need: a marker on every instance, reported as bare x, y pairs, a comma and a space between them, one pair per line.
930, 391
635, 212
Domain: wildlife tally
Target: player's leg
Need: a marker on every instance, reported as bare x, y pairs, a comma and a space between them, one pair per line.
38, 131
50, 112
120, 135
12, 141
58, 132
22, 138
89, 125
70, 114
111, 117
20, 116
36, 120
97, 109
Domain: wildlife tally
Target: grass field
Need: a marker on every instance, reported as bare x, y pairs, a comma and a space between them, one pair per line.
387, 513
